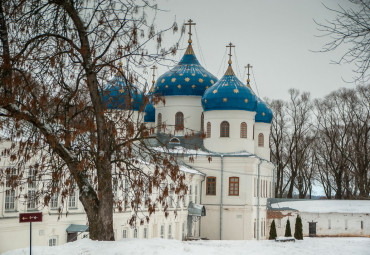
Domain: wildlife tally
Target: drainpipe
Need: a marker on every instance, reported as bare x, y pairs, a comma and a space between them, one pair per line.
258, 201
200, 201
222, 192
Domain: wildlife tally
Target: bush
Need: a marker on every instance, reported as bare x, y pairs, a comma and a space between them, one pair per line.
272, 234
288, 231
298, 233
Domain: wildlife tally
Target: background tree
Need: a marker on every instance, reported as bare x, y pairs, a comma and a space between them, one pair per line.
272, 234
288, 231
351, 29
56, 59
298, 232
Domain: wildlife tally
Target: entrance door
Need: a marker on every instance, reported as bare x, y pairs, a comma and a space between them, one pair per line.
71, 237
312, 228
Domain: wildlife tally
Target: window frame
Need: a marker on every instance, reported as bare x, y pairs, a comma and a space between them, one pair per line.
225, 129
212, 190
232, 191
179, 121
243, 130
209, 129
261, 140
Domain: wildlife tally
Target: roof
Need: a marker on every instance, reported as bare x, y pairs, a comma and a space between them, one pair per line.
264, 113
321, 206
196, 209
118, 95
187, 78
229, 93
74, 228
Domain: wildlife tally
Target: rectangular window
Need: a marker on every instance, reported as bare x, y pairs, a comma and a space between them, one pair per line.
362, 224
255, 229
234, 186
196, 194
345, 224
169, 231
270, 189
53, 241
183, 231
72, 203
54, 201
329, 224
145, 233
135, 233
211, 186
31, 200
162, 231
124, 233
31, 179
9, 200
190, 194
255, 187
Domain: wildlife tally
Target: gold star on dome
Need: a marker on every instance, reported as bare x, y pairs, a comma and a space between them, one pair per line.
225, 99
193, 74
163, 80
204, 75
121, 90
226, 84
263, 114
207, 87
179, 86
215, 91
212, 82
187, 79
200, 80
132, 100
173, 79
193, 86
205, 100
236, 91
181, 74
166, 86
246, 100
170, 75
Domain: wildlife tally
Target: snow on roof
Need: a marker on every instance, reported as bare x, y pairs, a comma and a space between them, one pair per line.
181, 150
325, 206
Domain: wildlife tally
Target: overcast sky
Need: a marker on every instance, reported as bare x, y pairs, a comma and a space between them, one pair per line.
276, 37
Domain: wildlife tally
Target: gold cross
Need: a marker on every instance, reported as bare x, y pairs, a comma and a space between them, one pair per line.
230, 46
153, 68
190, 23
248, 67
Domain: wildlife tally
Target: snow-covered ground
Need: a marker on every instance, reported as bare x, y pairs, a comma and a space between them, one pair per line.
314, 246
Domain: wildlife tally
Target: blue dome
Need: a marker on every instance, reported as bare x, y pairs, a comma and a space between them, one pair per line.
117, 95
149, 112
187, 78
264, 113
229, 93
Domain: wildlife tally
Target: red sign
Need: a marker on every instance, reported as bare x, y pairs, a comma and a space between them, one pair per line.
30, 217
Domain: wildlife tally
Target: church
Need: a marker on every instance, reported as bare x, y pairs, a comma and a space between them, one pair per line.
220, 130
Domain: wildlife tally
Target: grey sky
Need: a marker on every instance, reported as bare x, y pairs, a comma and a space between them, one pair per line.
275, 36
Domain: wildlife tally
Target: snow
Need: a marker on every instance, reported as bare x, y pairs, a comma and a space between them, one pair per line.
308, 246
326, 206
181, 150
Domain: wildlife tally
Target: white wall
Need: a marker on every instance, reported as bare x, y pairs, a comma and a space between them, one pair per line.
233, 143
190, 106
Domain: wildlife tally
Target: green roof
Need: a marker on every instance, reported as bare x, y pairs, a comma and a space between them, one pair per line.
73, 228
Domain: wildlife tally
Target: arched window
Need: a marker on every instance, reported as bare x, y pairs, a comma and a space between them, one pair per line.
179, 121
159, 122
233, 186
208, 129
261, 142
175, 141
202, 123
225, 129
243, 130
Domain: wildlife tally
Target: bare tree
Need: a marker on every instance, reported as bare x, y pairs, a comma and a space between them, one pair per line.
350, 28
56, 59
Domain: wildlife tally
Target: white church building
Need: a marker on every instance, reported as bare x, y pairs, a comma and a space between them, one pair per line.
226, 162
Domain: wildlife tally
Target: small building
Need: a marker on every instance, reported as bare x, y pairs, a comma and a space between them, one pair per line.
322, 218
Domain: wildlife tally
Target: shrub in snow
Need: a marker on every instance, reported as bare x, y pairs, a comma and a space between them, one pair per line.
298, 233
272, 234
288, 231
